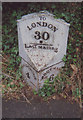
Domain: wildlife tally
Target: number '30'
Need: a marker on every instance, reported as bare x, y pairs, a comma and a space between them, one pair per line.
44, 36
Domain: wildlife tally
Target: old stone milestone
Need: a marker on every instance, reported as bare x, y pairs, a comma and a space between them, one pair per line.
42, 45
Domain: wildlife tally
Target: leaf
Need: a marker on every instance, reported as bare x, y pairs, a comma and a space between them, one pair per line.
63, 15
35, 92
65, 96
8, 85
48, 93
75, 55
54, 97
64, 59
14, 13
53, 6
3, 91
74, 67
74, 60
53, 90
12, 85
21, 84
69, 57
42, 94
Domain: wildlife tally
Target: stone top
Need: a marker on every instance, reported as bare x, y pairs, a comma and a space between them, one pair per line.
42, 39
46, 13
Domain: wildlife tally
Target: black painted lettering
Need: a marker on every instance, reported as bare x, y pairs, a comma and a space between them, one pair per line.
45, 35
30, 46
56, 50
44, 47
28, 75
37, 36
29, 28
50, 26
54, 29
52, 48
41, 41
25, 46
38, 24
42, 18
33, 25
40, 47
49, 47
44, 24
42, 77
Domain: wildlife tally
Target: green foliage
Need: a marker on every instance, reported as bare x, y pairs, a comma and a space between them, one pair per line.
11, 80
64, 58
35, 92
70, 13
60, 84
48, 89
21, 84
77, 93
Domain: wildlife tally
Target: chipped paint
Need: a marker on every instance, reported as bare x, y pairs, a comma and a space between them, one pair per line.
42, 45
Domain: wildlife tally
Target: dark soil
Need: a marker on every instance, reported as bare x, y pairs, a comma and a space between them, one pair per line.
54, 107
60, 108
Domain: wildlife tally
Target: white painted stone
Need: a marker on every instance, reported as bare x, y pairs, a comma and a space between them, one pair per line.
42, 45
53, 37
50, 72
36, 79
29, 75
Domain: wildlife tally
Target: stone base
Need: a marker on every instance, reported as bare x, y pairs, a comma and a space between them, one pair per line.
36, 78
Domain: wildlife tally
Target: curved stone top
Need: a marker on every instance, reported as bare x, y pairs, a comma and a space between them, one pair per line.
46, 13
42, 39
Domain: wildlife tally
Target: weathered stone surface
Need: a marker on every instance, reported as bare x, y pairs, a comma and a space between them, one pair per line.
35, 78
42, 39
29, 75
42, 45
50, 72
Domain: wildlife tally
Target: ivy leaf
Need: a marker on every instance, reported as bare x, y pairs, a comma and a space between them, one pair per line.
64, 59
